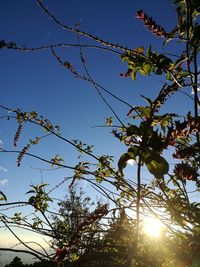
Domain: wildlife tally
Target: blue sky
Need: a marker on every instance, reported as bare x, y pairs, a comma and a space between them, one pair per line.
35, 81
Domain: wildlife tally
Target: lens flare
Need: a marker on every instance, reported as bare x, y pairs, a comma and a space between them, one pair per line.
152, 227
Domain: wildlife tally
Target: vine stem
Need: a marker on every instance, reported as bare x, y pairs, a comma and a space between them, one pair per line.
196, 99
23, 243
77, 31
138, 199
131, 253
91, 80
188, 50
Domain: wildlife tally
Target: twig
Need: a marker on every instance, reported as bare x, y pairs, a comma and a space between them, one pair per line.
138, 199
24, 244
68, 66
90, 36
32, 242
91, 80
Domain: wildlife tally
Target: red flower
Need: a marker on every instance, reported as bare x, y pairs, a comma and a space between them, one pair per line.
184, 171
140, 14
151, 24
61, 254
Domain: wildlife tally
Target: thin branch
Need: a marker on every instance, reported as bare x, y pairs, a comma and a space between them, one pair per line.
24, 244
91, 80
138, 199
68, 45
59, 184
37, 157
77, 31
69, 67
32, 242
15, 203
62, 138
50, 225
96, 39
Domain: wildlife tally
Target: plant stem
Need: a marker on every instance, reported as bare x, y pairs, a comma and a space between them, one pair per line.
195, 88
138, 199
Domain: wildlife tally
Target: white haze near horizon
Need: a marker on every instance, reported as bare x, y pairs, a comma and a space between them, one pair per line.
7, 240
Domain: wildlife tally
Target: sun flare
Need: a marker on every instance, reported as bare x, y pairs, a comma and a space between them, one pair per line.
152, 227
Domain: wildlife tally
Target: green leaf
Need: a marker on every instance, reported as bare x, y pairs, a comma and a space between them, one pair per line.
109, 121
196, 36
42, 185
33, 115
156, 164
133, 75
145, 111
147, 68
132, 130
74, 257
196, 262
133, 152
164, 61
147, 99
122, 162
168, 76
148, 53
30, 192
142, 72
34, 142
139, 49
2, 196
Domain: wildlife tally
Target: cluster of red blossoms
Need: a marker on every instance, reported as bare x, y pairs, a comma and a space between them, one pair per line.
188, 152
21, 155
62, 253
17, 134
25, 149
183, 129
166, 91
183, 171
151, 24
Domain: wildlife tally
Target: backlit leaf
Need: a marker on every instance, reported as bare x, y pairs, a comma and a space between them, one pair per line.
122, 162
2, 196
157, 165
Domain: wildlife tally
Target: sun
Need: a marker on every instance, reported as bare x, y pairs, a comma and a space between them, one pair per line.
152, 227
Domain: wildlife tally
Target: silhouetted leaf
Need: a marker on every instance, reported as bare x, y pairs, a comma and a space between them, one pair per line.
157, 165
122, 162
2, 196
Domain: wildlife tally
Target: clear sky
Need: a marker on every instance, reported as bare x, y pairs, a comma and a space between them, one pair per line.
35, 81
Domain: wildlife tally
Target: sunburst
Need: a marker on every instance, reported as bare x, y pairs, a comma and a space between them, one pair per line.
152, 227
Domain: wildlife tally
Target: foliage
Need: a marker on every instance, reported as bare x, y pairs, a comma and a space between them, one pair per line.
148, 136
17, 262
76, 224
